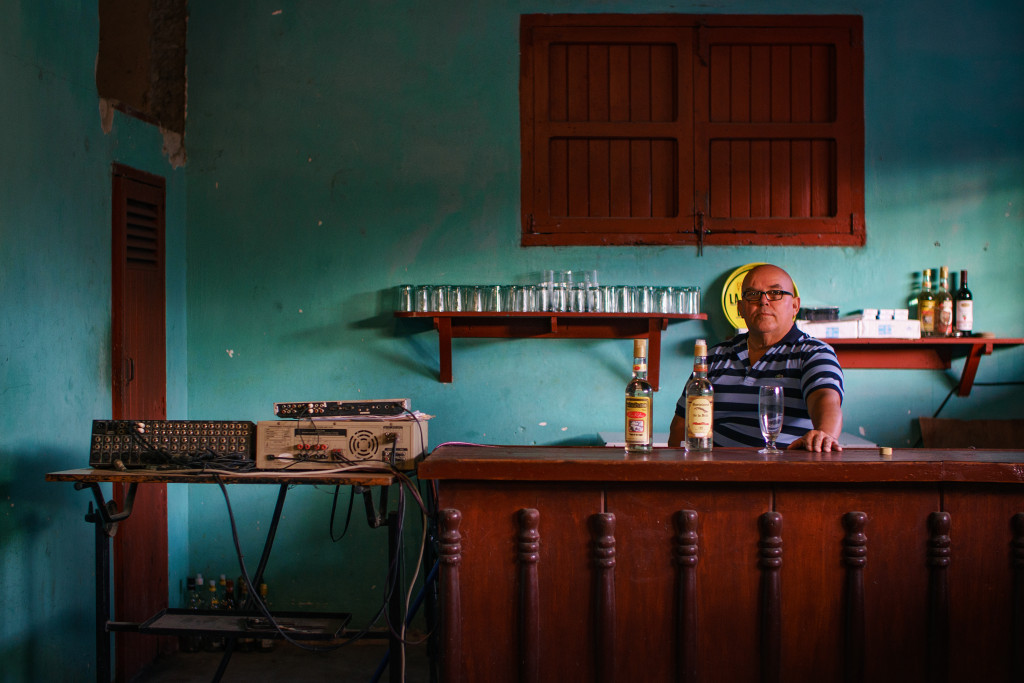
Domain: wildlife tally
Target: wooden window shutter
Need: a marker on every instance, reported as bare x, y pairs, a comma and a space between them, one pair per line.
607, 133
669, 129
779, 135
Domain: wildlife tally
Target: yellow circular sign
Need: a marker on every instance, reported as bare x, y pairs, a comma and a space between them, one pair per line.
733, 289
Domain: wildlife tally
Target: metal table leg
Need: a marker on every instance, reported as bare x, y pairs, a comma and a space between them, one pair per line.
105, 517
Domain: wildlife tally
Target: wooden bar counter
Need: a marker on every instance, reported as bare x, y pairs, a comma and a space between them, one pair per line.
582, 564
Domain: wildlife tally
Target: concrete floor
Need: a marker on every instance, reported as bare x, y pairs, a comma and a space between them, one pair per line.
355, 662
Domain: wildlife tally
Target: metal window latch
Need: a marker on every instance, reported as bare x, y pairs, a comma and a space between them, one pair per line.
700, 231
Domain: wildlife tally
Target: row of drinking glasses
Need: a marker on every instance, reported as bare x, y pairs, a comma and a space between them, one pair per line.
549, 297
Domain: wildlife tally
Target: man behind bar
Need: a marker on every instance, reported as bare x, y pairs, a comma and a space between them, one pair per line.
772, 351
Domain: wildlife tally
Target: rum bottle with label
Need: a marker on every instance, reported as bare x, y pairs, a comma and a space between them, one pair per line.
639, 403
700, 403
964, 308
926, 306
943, 306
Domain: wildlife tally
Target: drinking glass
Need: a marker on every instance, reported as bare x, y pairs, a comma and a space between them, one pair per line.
405, 298
423, 294
769, 413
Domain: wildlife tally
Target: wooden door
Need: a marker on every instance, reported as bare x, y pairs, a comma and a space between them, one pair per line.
139, 377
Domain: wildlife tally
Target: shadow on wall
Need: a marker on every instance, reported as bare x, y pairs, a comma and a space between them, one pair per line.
46, 554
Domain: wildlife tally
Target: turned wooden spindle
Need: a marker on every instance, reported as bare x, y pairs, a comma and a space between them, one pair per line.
1017, 605
939, 554
450, 557
529, 595
855, 552
769, 553
604, 579
686, 595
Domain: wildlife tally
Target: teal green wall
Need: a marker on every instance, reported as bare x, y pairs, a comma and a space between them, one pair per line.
336, 151
55, 227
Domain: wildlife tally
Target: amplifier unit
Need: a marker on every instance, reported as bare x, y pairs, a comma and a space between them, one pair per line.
149, 443
327, 444
380, 407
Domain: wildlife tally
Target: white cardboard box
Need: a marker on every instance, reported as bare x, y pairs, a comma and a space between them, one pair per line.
833, 329
889, 329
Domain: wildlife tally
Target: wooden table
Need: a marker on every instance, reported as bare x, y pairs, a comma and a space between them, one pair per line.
583, 564
106, 517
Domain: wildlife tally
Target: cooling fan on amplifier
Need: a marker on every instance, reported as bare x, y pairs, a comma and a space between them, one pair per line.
363, 445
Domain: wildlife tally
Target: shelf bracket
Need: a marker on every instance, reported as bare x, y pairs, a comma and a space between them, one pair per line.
444, 333
971, 363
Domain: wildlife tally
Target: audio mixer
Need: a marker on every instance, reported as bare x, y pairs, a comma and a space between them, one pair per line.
148, 443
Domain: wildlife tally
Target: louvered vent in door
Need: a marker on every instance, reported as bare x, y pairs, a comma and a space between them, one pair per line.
143, 233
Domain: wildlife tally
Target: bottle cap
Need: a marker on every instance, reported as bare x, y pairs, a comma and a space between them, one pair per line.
700, 348
639, 348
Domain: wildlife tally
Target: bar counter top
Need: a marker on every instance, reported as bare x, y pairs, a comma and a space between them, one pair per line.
598, 463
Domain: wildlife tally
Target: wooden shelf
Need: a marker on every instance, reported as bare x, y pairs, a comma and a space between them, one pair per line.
919, 354
514, 325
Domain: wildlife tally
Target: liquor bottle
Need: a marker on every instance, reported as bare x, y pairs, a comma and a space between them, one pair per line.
943, 306
265, 644
229, 595
639, 403
926, 306
243, 643
191, 642
213, 643
964, 307
700, 403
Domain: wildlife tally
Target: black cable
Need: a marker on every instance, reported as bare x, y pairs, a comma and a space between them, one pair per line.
920, 438
391, 581
197, 460
348, 517
945, 400
254, 595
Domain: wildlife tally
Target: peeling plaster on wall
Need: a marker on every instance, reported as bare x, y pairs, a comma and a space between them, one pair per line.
107, 115
174, 147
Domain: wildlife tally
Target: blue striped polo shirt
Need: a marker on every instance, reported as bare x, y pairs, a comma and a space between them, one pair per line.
800, 363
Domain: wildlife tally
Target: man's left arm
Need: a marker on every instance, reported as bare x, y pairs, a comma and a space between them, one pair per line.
826, 410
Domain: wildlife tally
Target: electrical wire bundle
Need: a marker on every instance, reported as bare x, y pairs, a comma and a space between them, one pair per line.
406, 487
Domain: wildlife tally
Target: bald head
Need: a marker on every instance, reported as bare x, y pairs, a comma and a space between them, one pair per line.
768, 272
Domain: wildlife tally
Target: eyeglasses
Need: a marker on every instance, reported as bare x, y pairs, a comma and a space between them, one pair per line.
754, 295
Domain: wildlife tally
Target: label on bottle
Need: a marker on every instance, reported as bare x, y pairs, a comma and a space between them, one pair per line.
639, 367
927, 316
698, 416
638, 421
944, 319
965, 315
